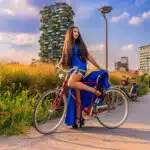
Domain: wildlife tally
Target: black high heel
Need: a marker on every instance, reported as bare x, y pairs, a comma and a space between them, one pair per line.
82, 123
75, 126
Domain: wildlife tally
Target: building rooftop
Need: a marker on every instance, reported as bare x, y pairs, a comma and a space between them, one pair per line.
124, 57
144, 46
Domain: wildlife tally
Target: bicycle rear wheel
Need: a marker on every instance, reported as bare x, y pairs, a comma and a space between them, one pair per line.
50, 111
114, 109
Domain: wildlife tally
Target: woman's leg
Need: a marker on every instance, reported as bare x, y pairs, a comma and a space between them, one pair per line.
77, 105
74, 82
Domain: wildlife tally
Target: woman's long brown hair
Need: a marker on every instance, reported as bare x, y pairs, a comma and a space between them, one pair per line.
68, 46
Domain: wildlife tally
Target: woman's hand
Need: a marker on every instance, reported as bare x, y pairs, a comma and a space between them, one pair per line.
60, 62
57, 66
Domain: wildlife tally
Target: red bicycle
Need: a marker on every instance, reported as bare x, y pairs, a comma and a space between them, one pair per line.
132, 92
50, 109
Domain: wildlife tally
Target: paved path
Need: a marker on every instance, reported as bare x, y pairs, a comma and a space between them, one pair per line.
133, 135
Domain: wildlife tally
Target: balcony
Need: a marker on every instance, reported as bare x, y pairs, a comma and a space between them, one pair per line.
60, 9
60, 44
55, 42
46, 25
57, 15
46, 42
63, 29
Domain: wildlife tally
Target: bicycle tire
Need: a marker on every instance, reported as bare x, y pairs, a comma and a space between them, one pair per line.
125, 115
50, 130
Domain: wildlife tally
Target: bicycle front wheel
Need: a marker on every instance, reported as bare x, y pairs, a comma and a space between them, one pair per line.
114, 109
49, 111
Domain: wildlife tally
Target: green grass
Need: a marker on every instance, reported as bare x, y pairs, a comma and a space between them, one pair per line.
19, 108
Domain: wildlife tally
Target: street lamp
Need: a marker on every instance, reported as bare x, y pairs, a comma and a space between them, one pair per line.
104, 10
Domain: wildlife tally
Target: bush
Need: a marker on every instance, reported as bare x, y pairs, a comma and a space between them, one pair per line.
143, 89
114, 80
20, 86
19, 112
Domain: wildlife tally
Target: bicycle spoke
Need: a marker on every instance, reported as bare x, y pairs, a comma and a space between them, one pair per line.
116, 112
49, 112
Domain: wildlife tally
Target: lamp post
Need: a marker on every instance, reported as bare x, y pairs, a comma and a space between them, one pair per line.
104, 10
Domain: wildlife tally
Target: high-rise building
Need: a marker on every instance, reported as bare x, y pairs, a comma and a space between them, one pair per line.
145, 58
117, 65
55, 21
124, 63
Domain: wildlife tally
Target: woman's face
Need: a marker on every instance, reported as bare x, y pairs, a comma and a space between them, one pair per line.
75, 33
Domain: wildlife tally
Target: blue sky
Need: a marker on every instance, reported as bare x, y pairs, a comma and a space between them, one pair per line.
128, 26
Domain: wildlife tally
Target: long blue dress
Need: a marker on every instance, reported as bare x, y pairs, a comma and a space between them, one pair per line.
85, 95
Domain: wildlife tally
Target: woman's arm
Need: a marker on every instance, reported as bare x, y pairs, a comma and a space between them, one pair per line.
92, 60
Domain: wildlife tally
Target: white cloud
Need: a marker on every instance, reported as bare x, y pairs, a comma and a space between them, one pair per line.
128, 48
96, 50
135, 20
8, 12
20, 8
84, 11
23, 54
146, 15
130, 51
96, 47
123, 16
18, 38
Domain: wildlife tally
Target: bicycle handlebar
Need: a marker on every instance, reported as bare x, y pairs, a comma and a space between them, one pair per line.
67, 71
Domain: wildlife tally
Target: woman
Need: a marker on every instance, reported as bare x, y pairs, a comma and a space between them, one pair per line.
76, 54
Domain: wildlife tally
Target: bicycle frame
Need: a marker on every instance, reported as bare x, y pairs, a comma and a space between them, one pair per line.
125, 88
87, 111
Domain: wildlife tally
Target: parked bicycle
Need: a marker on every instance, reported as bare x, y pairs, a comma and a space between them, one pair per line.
131, 92
50, 109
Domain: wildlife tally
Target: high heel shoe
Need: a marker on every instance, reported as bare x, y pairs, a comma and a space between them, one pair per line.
75, 126
82, 123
